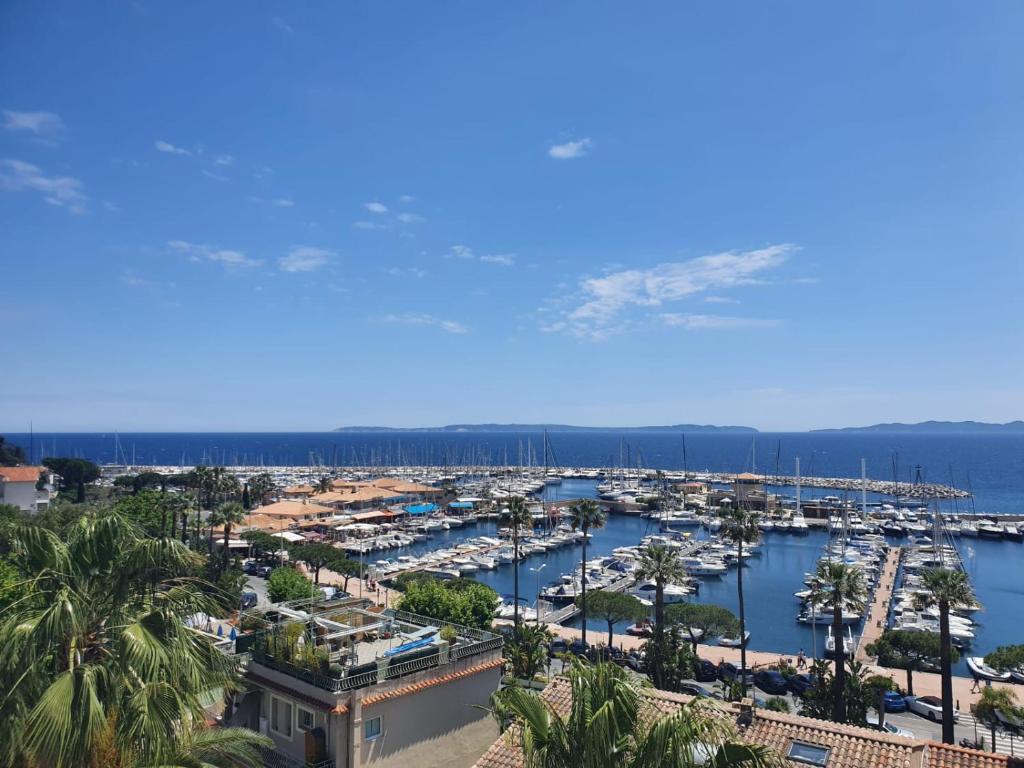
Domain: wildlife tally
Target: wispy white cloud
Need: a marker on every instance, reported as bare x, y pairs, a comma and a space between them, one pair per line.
40, 125
406, 272
605, 299
570, 149
166, 146
63, 191
303, 258
283, 202
197, 252
406, 198
720, 300
411, 318
281, 24
368, 225
693, 322
460, 252
224, 160
375, 207
214, 176
502, 259
410, 218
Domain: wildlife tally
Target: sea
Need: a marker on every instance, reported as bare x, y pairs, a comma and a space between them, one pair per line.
991, 466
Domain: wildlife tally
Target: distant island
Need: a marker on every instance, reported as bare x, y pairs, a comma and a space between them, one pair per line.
938, 428
549, 428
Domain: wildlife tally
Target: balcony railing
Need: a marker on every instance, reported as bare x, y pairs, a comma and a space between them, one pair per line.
395, 668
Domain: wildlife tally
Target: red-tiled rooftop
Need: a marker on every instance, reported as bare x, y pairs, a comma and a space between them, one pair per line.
20, 474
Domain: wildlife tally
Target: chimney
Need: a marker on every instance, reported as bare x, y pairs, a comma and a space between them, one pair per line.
746, 716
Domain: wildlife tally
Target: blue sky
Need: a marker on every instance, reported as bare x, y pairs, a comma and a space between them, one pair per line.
248, 216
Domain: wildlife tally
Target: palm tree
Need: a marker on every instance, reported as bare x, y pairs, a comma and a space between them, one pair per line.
96, 658
739, 526
203, 747
995, 702
610, 724
584, 516
323, 485
662, 566
188, 504
945, 588
520, 517
526, 649
228, 514
840, 587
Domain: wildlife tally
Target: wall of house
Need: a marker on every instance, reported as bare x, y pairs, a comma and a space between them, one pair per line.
21, 495
445, 726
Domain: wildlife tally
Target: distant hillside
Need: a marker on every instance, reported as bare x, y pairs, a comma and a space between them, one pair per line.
938, 428
549, 427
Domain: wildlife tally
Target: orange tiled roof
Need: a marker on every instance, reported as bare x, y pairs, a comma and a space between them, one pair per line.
20, 474
851, 746
293, 509
432, 682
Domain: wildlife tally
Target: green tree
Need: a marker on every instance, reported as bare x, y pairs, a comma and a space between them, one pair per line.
262, 543
908, 649
611, 725
286, 583
671, 658
840, 587
102, 663
469, 603
582, 517
316, 555
260, 486
612, 607
993, 704
228, 514
519, 517
712, 620
945, 588
777, 704
526, 649
662, 566
73, 473
148, 509
10, 455
214, 748
1006, 657
739, 526
345, 567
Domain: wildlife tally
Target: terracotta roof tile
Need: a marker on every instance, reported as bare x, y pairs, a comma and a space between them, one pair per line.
850, 746
432, 682
20, 474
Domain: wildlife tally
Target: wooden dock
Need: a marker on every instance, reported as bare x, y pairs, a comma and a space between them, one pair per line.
878, 614
568, 611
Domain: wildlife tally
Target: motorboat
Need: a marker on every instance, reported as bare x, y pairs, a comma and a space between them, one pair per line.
673, 593
641, 629
967, 528
1013, 533
983, 671
765, 525
734, 642
830, 643
989, 530
798, 524
697, 566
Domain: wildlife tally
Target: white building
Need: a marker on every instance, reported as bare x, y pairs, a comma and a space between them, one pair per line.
18, 488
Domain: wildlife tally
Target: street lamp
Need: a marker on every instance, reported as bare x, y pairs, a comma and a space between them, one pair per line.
537, 570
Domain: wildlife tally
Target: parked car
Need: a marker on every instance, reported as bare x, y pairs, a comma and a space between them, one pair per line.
872, 720
705, 671
557, 646
928, 706
771, 681
632, 660
249, 567
249, 599
579, 648
894, 702
798, 684
264, 570
728, 672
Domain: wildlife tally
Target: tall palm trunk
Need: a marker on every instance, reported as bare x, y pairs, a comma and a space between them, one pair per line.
227, 551
839, 689
659, 633
946, 661
515, 569
583, 588
743, 618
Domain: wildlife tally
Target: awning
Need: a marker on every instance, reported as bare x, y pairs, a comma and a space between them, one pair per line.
420, 509
289, 536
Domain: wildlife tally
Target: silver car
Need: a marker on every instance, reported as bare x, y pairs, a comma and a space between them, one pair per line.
928, 706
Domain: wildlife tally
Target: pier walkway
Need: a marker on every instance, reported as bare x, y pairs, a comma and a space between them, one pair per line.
568, 611
878, 613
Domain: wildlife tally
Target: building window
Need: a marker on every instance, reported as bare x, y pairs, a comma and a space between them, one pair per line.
281, 717
371, 728
810, 754
306, 722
